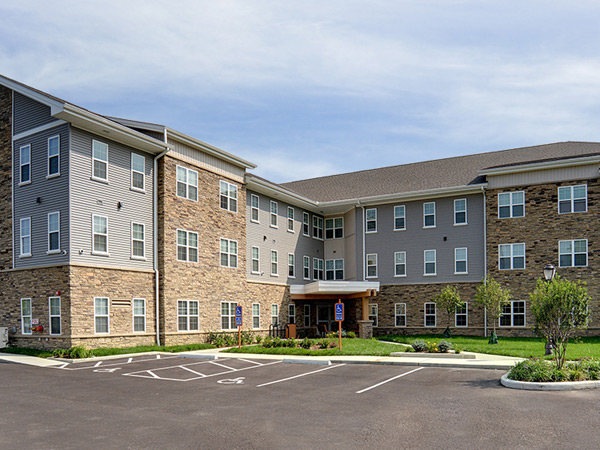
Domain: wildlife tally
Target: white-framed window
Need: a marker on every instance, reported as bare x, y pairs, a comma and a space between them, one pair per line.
306, 224
255, 260
228, 196
54, 232
292, 313
399, 217
429, 215
25, 316
53, 156
430, 315
290, 219
254, 208
229, 253
374, 314
100, 235
306, 315
25, 164
334, 228
513, 314
187, 246
188, 317
274, 265
274, 207
371, 220
101, 315
138, 172
460, 261
274, 314
429, 262
54, 315
317, 227
306, 268
461, 316
460, 211
372, 265
99, 160
317, 269
400, 314
511, 204
138, 241
334, 269
573, 253
228, 315
400, 264
139, 315
255, 315
25, 236
291, 265
572, 199
187, 183
512, 256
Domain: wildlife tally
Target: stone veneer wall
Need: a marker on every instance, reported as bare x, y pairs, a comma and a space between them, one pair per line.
5, 178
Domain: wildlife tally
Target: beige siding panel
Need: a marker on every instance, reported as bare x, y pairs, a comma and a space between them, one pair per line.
350, 245
206, 161
543, 176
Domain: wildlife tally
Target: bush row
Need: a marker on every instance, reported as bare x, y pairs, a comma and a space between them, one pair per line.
538, 370
433, 347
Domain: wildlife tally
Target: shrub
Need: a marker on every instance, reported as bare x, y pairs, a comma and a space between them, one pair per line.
306, 343
531, 370
268, 342
278, 342
247, 337
79, 352
230, 340
290, 343
419, 345
259, 339
323, 343
351, 335
432, 347
444, 346
457, 349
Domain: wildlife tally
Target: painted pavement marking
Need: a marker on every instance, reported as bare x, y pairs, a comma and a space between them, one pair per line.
66, 366
388, 380
301, 375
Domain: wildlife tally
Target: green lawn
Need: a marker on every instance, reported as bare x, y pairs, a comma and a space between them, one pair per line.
367, 347
519, 347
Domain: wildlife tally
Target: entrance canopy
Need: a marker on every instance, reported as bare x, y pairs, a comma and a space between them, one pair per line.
334, 289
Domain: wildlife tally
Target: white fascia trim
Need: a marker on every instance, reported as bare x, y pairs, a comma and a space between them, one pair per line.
278, 193
571, 162
55, 105
334, 287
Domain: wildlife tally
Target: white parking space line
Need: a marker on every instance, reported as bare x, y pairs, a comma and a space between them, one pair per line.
153, 374
221, 365
98, 363
387, 381
301, 375
129, 361
193, 371
249, 361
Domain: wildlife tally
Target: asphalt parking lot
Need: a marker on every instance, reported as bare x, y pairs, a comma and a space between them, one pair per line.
173, 402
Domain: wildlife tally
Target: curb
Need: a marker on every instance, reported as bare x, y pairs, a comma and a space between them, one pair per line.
432, 355
207, 357
548, 386
317, 362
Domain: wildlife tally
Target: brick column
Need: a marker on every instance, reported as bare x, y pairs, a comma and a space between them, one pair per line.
365, 329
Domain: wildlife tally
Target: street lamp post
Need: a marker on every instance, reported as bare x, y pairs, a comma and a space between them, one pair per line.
549, 272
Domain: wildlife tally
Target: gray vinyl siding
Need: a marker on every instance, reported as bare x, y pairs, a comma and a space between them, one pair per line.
29, 114
53, 194
344, 248
90, 197
267, 238
416, 239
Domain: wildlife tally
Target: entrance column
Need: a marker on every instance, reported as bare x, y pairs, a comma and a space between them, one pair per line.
365, 326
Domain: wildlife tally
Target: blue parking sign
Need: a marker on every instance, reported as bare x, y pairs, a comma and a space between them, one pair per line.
339, 312
238, 316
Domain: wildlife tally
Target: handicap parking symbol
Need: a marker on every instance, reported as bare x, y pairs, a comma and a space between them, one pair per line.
239, 380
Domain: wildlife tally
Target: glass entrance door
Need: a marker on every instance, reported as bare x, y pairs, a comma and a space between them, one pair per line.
326, 316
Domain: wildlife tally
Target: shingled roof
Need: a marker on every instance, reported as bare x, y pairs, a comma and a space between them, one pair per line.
435, 174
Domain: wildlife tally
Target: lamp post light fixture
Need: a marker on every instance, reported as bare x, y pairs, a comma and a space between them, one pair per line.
549, 272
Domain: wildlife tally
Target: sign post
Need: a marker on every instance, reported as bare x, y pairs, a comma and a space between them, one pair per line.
238, 323
339, 317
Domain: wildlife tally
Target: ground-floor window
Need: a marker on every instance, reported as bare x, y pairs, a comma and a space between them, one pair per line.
255, 315
292, 313
400, 314
373, 314
274, 315
228, 315
430, 315
101, 317
307, 315
461, 318
54, 309
139, 315
513, 314
187, 315
26, 316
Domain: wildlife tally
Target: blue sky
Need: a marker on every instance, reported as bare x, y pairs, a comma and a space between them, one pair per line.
311, 88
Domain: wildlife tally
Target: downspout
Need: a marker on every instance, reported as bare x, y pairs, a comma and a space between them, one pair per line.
484, 254
363, 240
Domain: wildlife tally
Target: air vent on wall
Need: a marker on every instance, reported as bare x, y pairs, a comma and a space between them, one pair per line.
121, 303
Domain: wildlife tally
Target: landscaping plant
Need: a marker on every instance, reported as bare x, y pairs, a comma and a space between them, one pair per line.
449, 300
492, 297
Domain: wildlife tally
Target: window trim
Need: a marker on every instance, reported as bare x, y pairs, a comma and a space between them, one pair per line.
427, 215
57, 250
511, 204
255, 208
134, 315
107, 315
276, 262
23, 317
255, 316
56, 174
371, 220
276, 316
292, 265
229, 253
292, 316
230, 187
466, 222
273, 215
425, 315
230, 316
396, 264
132, 187
51, 316
21, 236
187, 246
367, 265
466, 260
305, 224
425, 262
290, 219
319, 267
376, 315
396, 315
188, 315
573, 253
139, 258
257, 259
306, 318
572, 199
318, 228
99, 252
94, 177
512, 315
21, 182
403, 217
186, 183
512, 256
334, 228
466, 314
334, 269
305, 266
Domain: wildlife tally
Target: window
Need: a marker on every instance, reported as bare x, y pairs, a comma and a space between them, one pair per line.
255, 260
461, 316
99, 160
100, 235
572, 199
54, 313
317, 269
460, 211
460, 260
254, 207
274, 270
26, 316
572, 253
512, 256
274, 214
306, 267
430, 262
372, 265
429, 215
307, 315
255, 315
228, 315
306, 224
228, 196
430, 315
138, 242
25, 163
292, 313
274, 315
291, 265
138, 169
511, 204
334, 269
400, 313
373, 314
290, 221
187, 183
54, 156
371, 220
101, 322
229, 253
25, 236
187, 315
187, 246
399, 217
400, 264
513, 314
317, 227
139, 315
334, 228
54, 232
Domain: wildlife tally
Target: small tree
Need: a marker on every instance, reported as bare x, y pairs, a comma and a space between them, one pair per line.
448, 300
560, 309
492, 297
